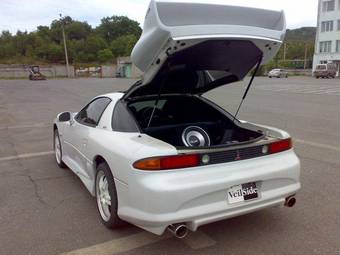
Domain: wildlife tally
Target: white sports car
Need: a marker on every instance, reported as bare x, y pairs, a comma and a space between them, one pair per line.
161, 155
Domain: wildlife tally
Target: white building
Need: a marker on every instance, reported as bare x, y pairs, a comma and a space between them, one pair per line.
327, 45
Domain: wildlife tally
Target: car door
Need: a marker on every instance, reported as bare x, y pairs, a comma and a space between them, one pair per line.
78, 134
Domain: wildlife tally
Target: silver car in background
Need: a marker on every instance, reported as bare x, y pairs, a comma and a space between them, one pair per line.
278, 73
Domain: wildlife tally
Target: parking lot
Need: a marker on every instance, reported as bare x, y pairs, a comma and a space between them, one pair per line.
46, 210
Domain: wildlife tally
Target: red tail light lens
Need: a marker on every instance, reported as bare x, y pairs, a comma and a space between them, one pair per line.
187, 161
167, 163
280, 146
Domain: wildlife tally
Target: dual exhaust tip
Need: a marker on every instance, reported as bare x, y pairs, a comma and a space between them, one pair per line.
180, 230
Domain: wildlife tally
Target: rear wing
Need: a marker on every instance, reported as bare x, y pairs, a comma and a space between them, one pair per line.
173, 26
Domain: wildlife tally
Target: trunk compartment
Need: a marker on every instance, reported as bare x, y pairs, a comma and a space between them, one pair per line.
174, 114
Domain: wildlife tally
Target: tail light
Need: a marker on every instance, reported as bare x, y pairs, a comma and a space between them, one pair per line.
280, 146
194, 160
167, 163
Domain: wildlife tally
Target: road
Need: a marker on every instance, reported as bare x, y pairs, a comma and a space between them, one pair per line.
46, 210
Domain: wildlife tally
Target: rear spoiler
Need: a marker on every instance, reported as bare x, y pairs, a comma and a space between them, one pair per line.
168, 23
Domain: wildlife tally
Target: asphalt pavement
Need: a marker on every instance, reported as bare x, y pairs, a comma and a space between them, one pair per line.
46, 210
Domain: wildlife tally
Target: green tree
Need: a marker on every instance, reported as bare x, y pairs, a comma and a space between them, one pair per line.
93, 45
51, 52
84, 43
123, 45
113, 27
55, 53
44, 33
105, 56
7, 45
78, 30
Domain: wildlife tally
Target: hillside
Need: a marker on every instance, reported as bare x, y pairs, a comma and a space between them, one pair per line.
301, 34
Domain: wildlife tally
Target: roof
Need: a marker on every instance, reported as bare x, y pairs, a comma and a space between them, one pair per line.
114, 96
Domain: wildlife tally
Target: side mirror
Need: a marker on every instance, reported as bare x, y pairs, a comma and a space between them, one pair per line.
64, 117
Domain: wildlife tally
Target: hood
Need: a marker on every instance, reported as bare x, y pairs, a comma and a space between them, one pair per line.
194, 47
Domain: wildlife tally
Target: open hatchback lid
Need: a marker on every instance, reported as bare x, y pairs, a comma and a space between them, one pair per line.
192, 48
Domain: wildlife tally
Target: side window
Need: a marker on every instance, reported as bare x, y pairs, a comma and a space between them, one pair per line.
92, 113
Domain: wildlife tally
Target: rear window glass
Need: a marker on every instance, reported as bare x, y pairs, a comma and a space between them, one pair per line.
172, 110
321, 67
138, 106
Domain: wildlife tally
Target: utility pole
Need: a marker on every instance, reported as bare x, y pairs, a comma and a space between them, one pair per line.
65, 47
305, 61
284, 51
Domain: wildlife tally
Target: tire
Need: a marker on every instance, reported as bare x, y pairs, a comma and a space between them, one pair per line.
105, 186
58, 152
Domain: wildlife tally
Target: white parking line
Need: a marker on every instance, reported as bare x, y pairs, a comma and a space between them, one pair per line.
195, 240
120, 245
333, 91
37, 125
319, 145
304, 90
26, 156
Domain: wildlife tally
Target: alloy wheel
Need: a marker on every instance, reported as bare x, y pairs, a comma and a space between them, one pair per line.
57, 149
103, 196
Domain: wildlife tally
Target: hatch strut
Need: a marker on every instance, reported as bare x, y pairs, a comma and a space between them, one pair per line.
156, 103
249, 85
159, 93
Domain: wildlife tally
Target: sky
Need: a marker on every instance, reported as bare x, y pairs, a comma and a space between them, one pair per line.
26, 15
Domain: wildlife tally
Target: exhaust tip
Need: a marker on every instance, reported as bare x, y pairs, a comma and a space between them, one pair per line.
180, 231
290, 201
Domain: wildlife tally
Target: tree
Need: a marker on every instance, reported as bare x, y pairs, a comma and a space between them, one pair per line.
51, 52
85, 44
55, 53
123, 45
7, 45
105, 56
93, 44
44, 33
78, 30
113, 27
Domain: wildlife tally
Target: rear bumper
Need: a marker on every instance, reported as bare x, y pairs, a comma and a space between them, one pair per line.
198, 196
323, 74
